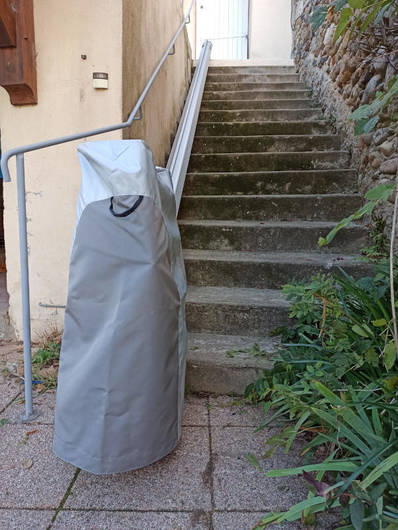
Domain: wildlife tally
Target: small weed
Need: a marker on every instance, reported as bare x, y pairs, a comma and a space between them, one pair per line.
47, 354
379, 247
46, 361
4, 421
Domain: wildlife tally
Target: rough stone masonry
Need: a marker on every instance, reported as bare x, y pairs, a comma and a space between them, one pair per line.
346, 74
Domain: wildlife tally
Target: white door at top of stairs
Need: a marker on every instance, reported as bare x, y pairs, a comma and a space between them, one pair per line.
226, 24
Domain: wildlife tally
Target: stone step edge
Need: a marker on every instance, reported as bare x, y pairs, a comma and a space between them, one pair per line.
209, 72
252, 100
272, 173
236, 296
299, 84
216, 365
282, 257
277, 136
274, 153
262, 122
230, 111
266, 224
276, 196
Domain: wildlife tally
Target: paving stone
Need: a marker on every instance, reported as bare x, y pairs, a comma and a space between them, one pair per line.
8, 391
93, 520
238, 485
11, 359
240, 521
227, 411
25, 519
31, 475
179, 481
195, 411
44, 403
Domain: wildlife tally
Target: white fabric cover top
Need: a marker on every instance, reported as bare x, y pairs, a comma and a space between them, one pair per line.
122, 367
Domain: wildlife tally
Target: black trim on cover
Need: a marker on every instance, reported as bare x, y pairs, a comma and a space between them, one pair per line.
127, 212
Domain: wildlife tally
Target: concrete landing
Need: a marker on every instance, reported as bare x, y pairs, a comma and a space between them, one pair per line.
207, 483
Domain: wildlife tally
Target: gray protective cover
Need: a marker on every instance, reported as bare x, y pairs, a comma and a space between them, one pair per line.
122, 367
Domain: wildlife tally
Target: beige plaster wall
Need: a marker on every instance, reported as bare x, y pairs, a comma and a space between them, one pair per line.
68, 103
148, 27
270, 31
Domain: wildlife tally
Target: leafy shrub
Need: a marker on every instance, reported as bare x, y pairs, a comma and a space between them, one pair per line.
337, 379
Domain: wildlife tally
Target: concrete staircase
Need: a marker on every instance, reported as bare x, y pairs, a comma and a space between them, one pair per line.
266, 179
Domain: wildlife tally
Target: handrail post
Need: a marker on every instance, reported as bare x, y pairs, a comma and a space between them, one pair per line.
23, 246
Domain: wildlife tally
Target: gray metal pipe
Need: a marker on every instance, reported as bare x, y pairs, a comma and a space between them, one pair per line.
23, 253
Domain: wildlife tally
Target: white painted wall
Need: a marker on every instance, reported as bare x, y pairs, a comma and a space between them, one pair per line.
270, 31
226, 24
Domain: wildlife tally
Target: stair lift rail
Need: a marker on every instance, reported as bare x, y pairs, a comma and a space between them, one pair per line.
178, 162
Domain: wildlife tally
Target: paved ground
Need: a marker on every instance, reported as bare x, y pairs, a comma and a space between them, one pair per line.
206, 483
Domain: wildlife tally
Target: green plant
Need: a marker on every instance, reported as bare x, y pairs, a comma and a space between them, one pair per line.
366, 117
46, 354
356, 16
336, 378
255, 350
374, 196
45, 363
360, 475
379, 248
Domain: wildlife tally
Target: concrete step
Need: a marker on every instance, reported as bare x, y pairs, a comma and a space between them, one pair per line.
226, 364
330, 207
233, 86
225, 162
297, 236
256, 115
268, 182
255, 94
252, 78
262, 143
262, 128
272, 69
235, 311
231, 104
263, 270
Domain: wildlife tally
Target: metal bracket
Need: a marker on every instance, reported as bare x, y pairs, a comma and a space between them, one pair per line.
52, 306
173, 50
188, 21
139, 115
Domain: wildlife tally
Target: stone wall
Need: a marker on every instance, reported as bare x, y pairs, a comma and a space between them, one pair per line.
346, 74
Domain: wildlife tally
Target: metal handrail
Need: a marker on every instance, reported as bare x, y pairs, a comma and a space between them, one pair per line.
183, 143
178, 160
